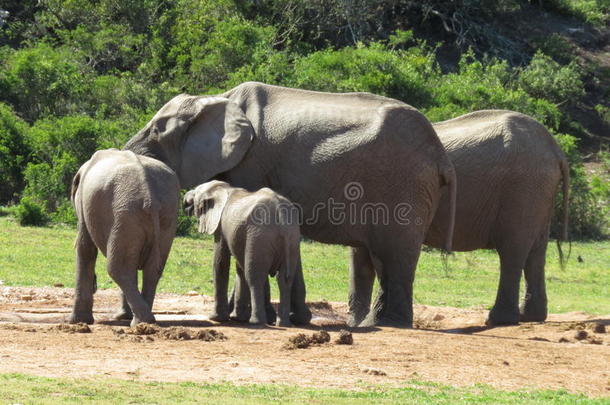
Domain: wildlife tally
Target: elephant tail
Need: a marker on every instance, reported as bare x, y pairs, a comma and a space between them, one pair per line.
565, 182
565, 175
449, 179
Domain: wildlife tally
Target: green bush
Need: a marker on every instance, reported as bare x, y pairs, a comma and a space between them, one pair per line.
60, 146
30, 213
14, 154
401, 74
545, 78
64, 214
42, 80
588, 213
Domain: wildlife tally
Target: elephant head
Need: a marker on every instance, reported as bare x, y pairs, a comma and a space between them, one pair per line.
207, 202
198, 137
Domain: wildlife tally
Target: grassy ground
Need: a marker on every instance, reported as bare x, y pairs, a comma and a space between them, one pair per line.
44, 257
18, 388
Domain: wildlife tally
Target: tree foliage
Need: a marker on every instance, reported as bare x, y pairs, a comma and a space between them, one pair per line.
79, 75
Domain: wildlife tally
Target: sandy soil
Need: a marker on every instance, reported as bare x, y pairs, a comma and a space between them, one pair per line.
450, 346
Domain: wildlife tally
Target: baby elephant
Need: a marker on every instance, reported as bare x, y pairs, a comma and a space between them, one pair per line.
261, 231
127, 207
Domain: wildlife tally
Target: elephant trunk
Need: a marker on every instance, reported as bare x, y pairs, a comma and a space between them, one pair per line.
449, 179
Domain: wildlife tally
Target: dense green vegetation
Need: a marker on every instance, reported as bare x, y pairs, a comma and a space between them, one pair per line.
19, 388
78, 75
31, 256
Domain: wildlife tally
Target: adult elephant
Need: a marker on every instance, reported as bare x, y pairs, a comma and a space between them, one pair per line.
336, 156
508, 169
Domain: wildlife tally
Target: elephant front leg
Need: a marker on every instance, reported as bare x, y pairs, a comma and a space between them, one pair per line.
362, 278
86, 254
534, 308
222, 262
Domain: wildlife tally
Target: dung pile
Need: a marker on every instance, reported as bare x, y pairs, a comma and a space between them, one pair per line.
302, 341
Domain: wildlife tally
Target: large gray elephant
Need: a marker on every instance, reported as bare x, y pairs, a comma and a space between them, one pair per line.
508, 170
333, 155
127, 207
260, 229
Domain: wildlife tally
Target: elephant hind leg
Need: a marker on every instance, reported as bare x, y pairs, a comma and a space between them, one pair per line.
124, 313
86, 254
534, 307
362, 278
121, 266
394, 303
506, 308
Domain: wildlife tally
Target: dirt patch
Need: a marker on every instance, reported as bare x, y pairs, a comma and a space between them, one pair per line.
456, 348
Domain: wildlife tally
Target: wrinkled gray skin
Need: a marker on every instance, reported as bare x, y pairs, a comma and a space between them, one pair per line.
260, 229
127, 207
308, 146
508, 170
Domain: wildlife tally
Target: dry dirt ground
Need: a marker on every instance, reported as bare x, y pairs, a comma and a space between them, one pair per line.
450, 346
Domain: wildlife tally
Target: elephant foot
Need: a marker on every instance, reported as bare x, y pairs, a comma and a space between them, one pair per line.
378, 316
302, 317
285, 323
498, 318
270, 311
255, 321
219, 317
529, 314
146, 319
122, 315
81, 317
355, 319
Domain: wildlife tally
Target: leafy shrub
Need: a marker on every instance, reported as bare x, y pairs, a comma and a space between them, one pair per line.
30, 213
64, 213
545, 78
588, 212
60, 146
14, 154
42, 80
479, 85
187, 226
372, 68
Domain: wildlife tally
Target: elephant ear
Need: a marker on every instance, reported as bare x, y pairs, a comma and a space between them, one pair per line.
209, 207
217, 140
198, 137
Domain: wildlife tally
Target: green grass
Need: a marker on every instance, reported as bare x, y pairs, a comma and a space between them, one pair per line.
44, 256
18, 388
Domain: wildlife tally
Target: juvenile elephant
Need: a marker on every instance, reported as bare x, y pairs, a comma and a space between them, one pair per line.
127, 207
508, 170
260, 229
337, 156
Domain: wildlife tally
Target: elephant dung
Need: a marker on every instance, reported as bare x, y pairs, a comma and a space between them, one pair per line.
345, 338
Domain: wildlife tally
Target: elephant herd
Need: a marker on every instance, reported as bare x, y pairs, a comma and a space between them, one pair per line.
271, 164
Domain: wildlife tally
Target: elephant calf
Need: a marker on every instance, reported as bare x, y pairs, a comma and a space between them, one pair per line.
261, 231
127, 207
